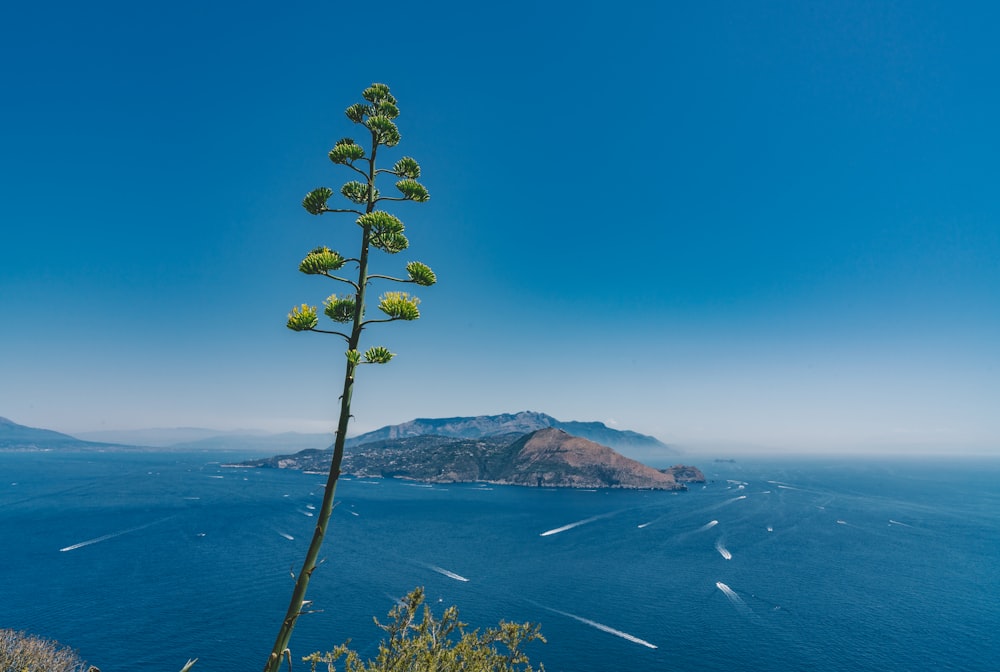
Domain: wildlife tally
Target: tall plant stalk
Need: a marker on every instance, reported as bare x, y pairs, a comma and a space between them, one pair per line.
381, 231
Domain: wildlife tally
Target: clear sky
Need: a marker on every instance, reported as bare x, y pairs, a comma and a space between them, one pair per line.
721, 223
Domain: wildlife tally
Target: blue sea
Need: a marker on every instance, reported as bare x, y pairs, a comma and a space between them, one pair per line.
141, 561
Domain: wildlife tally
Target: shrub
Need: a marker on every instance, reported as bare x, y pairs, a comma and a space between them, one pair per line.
20, 652
418, 642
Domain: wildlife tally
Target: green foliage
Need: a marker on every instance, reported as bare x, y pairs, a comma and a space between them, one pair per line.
353, 357
386, 231
378, 355
321, 260
384, 130
418, 642
346, 151
378, 93
421, 274
315, 200
413, 190
399, 305
390, 242
20, 652
340, 308
358, 192
387, 110
407, 167
358, 112
302, 318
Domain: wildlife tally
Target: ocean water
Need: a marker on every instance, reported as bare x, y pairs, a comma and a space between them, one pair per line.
141, 561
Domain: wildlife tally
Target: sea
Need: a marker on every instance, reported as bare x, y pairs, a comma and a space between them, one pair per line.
141, 561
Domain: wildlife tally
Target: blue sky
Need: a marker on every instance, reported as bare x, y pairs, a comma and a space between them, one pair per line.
724, 224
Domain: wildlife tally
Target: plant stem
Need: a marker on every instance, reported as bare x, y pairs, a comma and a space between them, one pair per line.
326, 509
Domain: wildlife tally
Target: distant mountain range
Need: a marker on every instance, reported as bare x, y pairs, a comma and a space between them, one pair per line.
516, 423
21, 437
547, 457
13, 435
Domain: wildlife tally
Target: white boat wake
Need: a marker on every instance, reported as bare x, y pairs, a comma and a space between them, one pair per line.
576, 524
707, 526
735, 599
723, 551
445, 572
286, 535
602, 627
98, 540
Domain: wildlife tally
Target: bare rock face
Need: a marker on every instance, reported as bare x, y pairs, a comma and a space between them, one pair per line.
551, 457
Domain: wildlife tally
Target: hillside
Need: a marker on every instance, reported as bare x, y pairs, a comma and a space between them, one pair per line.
21, 437
547, 457
520, 423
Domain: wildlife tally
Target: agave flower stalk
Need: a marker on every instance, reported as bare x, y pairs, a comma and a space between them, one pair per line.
381, 231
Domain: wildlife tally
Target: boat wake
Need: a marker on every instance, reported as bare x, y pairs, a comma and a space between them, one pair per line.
445, 572
577, 524
724, 503
896, 522
286, 535
707, 526
119, 533
600, 626
733, 598
723, 551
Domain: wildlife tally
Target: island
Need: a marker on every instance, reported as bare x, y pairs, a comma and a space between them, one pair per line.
548, 457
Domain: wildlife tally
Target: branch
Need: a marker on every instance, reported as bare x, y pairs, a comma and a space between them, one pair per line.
335, 333
367, 322
356, 169
334, 277
356, 212
387, 277
393, 198
379, 171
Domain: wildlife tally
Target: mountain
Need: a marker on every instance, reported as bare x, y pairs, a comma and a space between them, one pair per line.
20, 437
519, 423
547, 457
257, 443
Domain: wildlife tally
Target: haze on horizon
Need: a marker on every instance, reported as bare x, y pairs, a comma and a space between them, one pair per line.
770, 228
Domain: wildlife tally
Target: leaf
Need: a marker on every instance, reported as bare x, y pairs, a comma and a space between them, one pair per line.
357, 192
413, 190
357, 112
315, 200
346, 151
386, 231
377, 93
407, 167
321, 260
386, 109
390, 242
340, 309
353, 356
378, 355
399, 305
379, 220
385, 131
302, 318
421, 274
